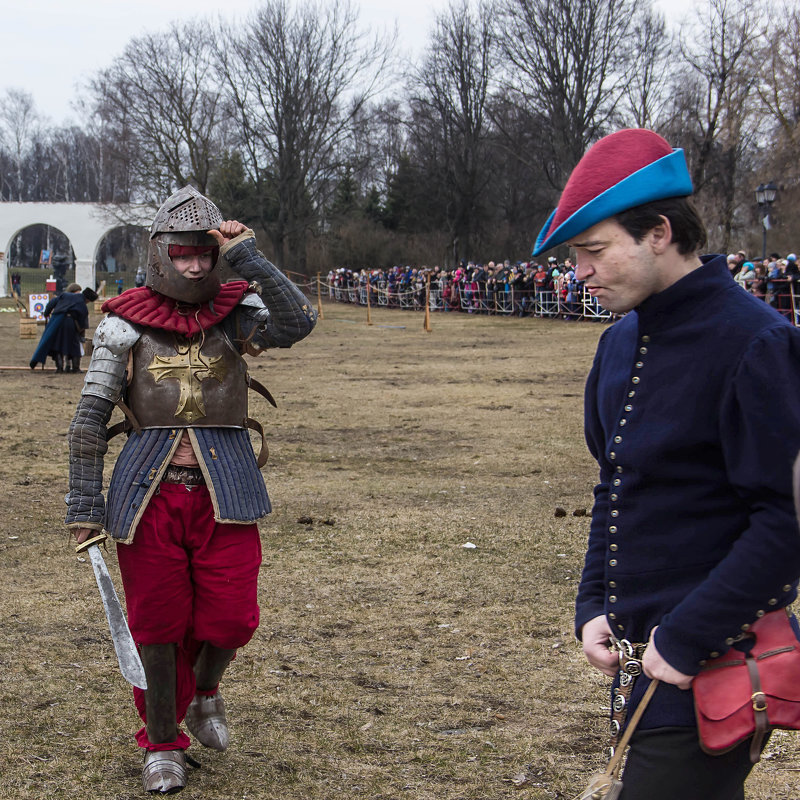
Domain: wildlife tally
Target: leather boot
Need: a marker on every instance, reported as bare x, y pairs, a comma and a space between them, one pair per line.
76, 364
164, 772
59, 359
205, 717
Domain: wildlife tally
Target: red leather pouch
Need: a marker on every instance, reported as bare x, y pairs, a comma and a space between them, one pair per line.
752, 689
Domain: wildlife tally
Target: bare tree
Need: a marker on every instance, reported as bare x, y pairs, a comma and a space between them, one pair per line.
18, 124
779, 88
161, 101
715, 113
569, 63
519, 191
450, 126
650, 75
296, 79
72, 157
115, 157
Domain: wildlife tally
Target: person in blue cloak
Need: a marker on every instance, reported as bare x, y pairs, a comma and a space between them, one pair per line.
67, 320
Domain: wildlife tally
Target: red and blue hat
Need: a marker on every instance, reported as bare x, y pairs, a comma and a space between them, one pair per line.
623, 170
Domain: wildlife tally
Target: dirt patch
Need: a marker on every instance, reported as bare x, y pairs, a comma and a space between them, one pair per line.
391, 661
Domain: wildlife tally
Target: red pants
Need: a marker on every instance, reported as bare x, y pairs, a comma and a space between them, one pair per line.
188, 580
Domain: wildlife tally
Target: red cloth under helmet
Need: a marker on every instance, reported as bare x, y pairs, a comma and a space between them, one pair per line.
193, 250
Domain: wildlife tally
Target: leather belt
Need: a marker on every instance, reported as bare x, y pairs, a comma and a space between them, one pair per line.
630, 667
188, 476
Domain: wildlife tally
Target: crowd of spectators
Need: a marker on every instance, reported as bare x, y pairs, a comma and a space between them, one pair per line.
549, 288
522, 288
773, 279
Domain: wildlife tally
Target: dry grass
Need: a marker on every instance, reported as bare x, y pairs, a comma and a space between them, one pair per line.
391, 661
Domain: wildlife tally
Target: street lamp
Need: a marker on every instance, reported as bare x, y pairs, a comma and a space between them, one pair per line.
765, 197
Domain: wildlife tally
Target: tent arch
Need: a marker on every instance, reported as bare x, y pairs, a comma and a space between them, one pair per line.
84, 224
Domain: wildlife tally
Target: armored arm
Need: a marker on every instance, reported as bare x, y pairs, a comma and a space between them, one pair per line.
87, 433
87, 447
282, 315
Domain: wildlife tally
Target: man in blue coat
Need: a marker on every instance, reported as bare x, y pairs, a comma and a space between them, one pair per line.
692, 413
67, 318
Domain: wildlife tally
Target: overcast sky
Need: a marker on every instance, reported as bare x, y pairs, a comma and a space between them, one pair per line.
49, 47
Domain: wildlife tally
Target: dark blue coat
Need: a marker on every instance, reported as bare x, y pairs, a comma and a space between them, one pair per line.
693, 415
66, 314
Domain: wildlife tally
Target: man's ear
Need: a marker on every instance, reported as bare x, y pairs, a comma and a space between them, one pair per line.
660, 237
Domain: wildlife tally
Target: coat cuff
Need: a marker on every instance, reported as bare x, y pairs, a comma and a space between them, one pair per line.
248, 234
677, 651
587, 614
95, 526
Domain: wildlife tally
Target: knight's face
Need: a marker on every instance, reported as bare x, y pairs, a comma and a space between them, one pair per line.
194, 267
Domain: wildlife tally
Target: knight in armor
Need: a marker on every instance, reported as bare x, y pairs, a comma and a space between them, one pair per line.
186, 490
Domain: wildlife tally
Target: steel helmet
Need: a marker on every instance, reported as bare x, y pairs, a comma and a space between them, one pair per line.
183, 219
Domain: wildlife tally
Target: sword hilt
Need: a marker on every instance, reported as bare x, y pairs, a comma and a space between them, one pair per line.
101, 537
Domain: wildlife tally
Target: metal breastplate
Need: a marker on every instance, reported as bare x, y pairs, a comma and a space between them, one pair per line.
181, 382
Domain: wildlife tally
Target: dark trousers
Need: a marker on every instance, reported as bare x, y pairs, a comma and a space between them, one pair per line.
668, 764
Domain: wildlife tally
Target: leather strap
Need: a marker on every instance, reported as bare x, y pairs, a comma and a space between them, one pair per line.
759, 702
630, 667
129, 423
188, 476
607, 784
259, 387
120, 427
615, 762
253, 424
263, 455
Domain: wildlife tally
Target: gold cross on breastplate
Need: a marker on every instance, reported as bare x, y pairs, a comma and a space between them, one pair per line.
190, 369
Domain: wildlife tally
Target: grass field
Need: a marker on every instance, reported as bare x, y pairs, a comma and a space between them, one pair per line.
391, 661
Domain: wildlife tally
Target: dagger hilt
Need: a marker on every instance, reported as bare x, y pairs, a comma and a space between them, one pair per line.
101, 537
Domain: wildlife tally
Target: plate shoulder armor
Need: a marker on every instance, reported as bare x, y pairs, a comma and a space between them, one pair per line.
116, 334
113, 339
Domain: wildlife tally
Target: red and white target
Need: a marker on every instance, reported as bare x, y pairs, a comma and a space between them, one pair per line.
36, 305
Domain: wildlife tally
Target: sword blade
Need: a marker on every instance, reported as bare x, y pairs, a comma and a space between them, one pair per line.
129, 662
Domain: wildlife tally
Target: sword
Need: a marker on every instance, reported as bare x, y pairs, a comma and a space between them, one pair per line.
128, 656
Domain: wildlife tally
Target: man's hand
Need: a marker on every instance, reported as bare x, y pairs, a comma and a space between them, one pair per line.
228, 230
655, 666
82, 534
596, 636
